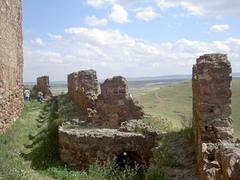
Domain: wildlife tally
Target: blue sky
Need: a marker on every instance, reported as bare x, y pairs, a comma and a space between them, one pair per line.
126, 37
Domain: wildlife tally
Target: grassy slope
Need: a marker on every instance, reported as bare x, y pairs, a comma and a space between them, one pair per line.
12, 145
171, 103
174, 103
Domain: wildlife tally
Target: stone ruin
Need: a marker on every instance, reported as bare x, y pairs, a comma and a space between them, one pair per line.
115, 104
83, 89
218, 156
44, 86
11, 63
84, 147
107, 132
108, 109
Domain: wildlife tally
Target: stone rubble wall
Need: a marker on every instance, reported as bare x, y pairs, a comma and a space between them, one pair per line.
108, 109
11, 62
212, 120
229, 159
43, 85
115, 104
83, 89
84, 147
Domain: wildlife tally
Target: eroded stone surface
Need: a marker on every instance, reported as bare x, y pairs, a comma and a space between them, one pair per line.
139, 126
229, 158
212, 98
212, 120
82, 88
108, 109
11, 62
44, 86
115, 104
82, 147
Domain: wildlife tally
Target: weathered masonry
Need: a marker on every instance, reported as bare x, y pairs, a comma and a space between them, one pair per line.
108, 109
104, 131
84, 147
82, 88
11, 62
115, 104
44, 86
217, 155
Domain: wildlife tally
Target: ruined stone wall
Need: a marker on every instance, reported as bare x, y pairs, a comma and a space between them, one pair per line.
212, 121
11, 62
44, 86
115, 104
82, 88
84, 147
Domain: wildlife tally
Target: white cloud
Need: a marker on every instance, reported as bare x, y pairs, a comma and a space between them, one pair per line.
55, 36
93, 21
98, 36
213, 8
118, 14
95, 3
99, 3
146, 14
112, 52
102, 3
37, 42
49, 56
191, 7
219, 27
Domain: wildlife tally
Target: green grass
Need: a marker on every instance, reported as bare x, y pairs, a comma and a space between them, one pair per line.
170, 106
175, 152
12, 145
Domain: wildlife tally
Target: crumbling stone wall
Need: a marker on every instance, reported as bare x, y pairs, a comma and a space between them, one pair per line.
82, 88
84, 147
115, 104
212, 121
44, 86
11, 62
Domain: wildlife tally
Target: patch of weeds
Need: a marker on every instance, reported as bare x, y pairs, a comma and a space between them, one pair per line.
163, 159
187, 129
111, 171
140, 130
95, 172
162, 124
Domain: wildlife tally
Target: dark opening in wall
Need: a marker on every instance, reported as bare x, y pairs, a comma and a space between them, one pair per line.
128, 158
